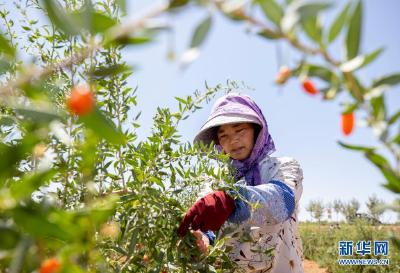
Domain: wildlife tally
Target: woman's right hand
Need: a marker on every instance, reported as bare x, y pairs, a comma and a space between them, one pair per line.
208, 213
202, 241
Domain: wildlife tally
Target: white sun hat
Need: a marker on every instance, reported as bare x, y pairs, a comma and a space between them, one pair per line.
208, 131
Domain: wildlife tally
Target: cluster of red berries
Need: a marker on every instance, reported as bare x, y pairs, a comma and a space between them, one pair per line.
347, 119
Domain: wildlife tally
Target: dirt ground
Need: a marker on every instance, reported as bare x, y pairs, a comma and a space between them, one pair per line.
313, 267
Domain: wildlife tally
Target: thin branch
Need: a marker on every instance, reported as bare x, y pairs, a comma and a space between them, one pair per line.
113, 34
240, 13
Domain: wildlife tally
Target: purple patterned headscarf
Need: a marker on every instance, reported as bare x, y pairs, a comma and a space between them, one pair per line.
243, 105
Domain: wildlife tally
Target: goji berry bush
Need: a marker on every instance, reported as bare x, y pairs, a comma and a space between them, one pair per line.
79, 191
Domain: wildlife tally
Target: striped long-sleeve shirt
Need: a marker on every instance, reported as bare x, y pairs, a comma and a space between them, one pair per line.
271, 224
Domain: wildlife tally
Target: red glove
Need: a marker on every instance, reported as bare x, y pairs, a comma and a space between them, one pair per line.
208, 213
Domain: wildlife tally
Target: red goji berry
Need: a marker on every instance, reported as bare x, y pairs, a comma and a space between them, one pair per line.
309, 87
81, 101
51, 265
347, 123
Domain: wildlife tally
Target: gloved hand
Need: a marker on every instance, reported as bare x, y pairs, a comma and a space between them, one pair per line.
208, 213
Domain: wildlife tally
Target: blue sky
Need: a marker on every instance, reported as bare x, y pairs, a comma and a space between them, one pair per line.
302, 126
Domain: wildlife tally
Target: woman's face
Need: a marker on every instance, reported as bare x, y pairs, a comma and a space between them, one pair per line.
237, 139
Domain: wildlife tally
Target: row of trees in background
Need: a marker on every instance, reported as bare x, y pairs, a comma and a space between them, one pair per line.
349, 210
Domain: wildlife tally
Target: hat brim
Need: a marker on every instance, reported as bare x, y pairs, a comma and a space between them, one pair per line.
208, 131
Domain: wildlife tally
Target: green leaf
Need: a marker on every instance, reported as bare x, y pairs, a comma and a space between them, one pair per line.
93, 21
12, 154
269, 34
360, 61
321, 72
355, 147
5, 46
133, 241
86, 15
311, 9
140, 37
201, 32
181, 100
98, 211
350, 108
122, 5
7, 120
177, 3
158, 181
378, 107
60, 18
393, 180
103, 127
388, 80
394, 118
378, 160
330, 92
128, 40
30, 183
40, 224
353, 37
8, 237
112, 70
357, 90
4, 66
372, 56
338, 24
313, 29
36, 114
272, 10
101, 22
396, 139
393, 186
